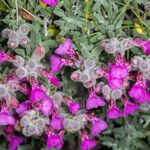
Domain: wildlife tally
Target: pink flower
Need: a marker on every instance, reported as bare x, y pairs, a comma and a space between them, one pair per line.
51, 3
94, 101
119, 70
87, 143
23, 107
115, 83
98, 125
129, 107
37, 94
138, 91
47, 106
57, 63
6, 119
4, 57
74, 107
66, 48
56, 122
55, 141
145, 45
113, 112
15, 141
51, 78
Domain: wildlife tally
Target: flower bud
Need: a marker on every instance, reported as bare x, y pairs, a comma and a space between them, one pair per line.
75, 76
106, 90
6, 32
126, 43
21, 72
31, 64
143, 66
57, 97
23, 29
39, 52
24, 41
13, 43
110, 49
84, 77
3, 91
19, 61
24, 121
116, 94
89, 63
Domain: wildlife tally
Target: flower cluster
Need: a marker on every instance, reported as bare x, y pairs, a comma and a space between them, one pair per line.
43, 111
16, 38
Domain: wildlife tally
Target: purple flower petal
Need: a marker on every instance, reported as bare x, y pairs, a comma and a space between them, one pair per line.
37, 94
87, 144
23, 107
94, 101
56, 122
15, 141
113, 112
129, 108
56, 63
54, 141
65, 49
74, 107
98, 125
6, 119
47, 106
51, 3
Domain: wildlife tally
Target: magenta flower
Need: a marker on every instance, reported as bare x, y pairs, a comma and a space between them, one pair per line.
138, 91
15, 141
87, 143
51, 78
94, 101
57, 63
6, 119
115, 83
47, 106
119, 70
56, 122
23, 107
98, 125
54, 141
113, 112
74, 107
37, 94
4, 57
129, 107
66, 48
51, 3
145, 45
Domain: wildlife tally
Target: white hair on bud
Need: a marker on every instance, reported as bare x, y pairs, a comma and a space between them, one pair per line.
144, 66
19, 61
21, 72
126, 43
84, 76
3, 91
33, 123
106, 90
116, 94
23, 29
89, 63
31, 64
